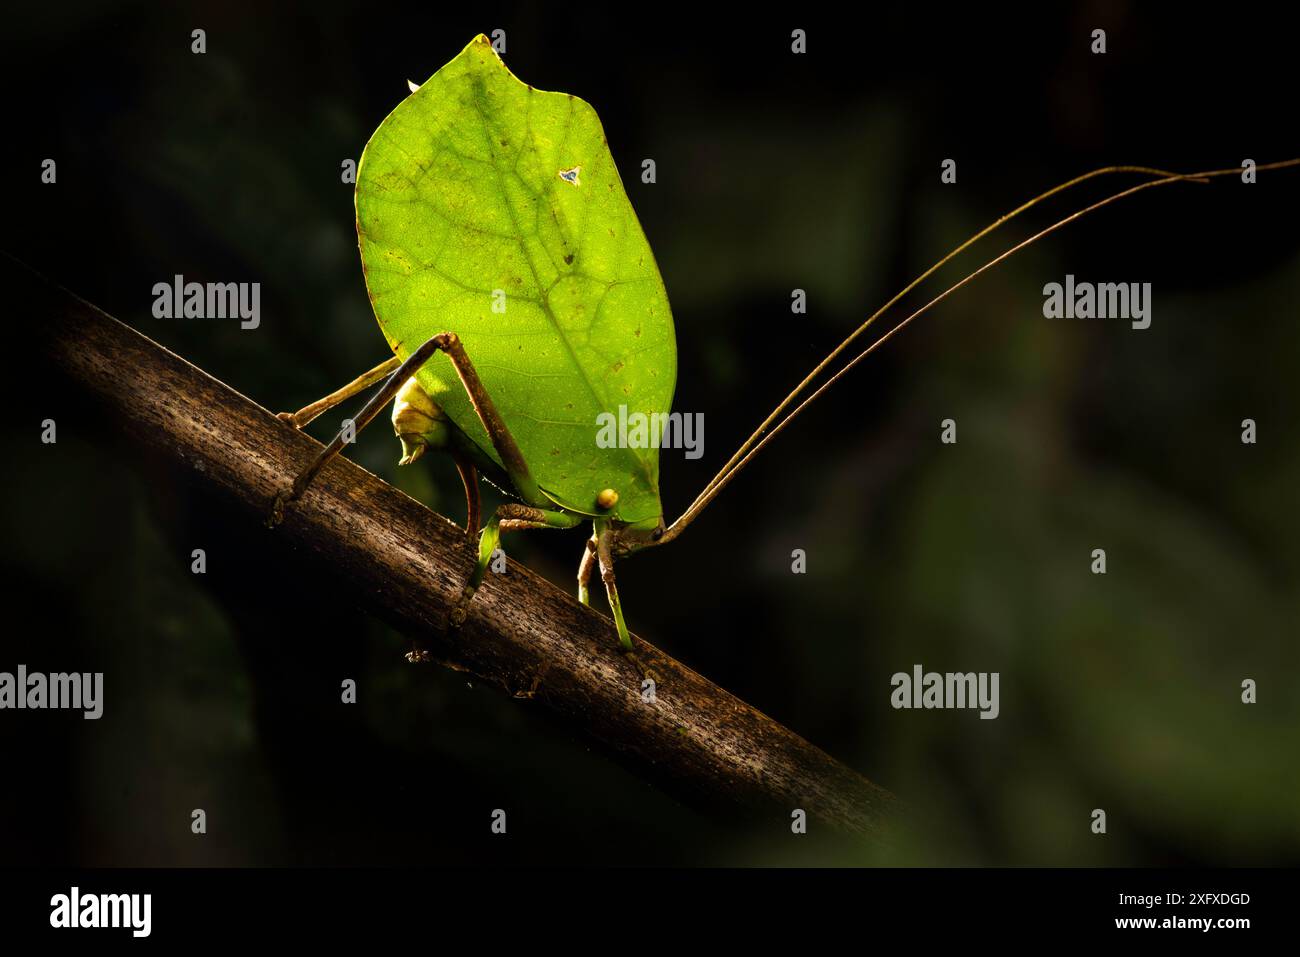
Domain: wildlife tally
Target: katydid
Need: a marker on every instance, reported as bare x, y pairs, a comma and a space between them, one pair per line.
521, 300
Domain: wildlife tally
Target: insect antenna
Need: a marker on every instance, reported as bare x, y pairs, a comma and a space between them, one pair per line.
779, 418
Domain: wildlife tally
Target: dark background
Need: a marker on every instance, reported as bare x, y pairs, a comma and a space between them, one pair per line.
775, 171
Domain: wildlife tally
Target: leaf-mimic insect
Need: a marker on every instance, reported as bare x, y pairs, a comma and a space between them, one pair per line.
521, 300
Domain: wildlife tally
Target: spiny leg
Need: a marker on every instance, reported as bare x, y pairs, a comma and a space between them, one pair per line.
504, 443
364, 418
359, 384
508, 518
585, 568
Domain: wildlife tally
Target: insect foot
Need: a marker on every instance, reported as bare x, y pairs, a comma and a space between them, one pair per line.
529, 693
290, 417
282, 498
647, 673
418, 655
461, 611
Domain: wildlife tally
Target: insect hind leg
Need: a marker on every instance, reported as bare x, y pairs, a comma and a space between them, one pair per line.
362, 382
502, 440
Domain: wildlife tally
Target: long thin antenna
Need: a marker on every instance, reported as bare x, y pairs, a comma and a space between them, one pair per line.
750, 449
839, 350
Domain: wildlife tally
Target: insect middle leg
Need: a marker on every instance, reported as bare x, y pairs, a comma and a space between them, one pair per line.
585, 568
605, 557
508, 518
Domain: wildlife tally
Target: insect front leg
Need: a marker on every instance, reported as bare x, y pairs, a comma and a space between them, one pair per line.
508, 518
605, 557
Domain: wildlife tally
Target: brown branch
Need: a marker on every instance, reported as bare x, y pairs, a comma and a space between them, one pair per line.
406, 565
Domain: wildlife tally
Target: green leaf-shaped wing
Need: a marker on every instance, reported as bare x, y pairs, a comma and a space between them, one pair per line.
493, 210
